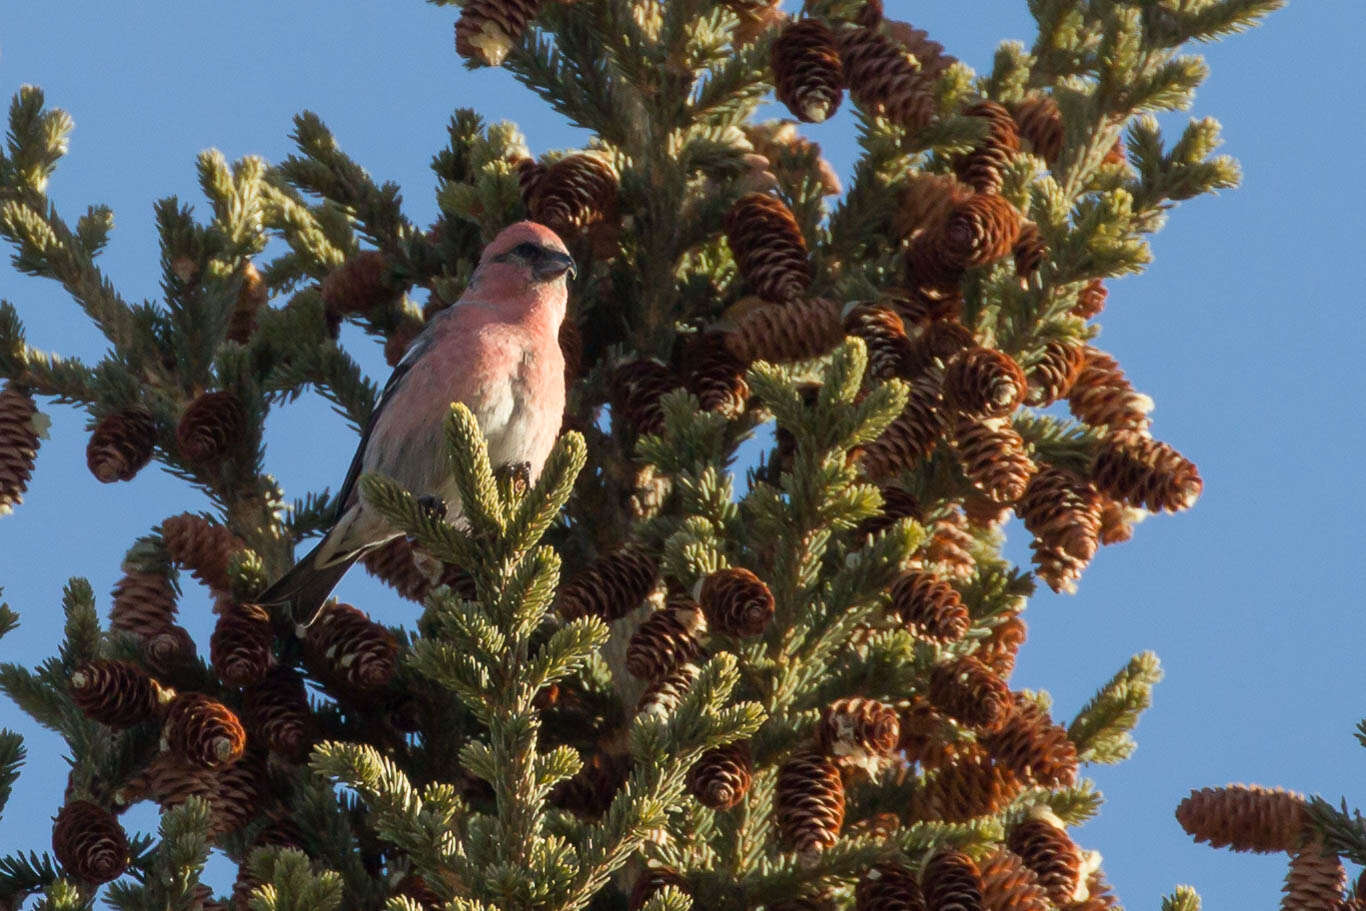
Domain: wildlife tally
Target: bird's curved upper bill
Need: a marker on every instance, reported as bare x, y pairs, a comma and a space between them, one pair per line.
552, 264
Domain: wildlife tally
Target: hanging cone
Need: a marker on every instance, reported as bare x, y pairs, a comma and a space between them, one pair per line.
714, 374
981, 230
1062, 511
736, 602
233, 799
966, 786
238, 790
487, 29
807, 74
935, 278
909, 438
240, 647
787, 332
757, 17
983, 382
859, 730
966, 690
251, 297
882, 331
20, 426
1117, 521
116, 693
928, 54
359, 286
810, 802
1033, 747
663, 696
393, 564
1042, 843
888, 887
665, 640
1143, 472
1316, 881
937, 340
984, 167
1091, 299
1055, 371
576, 192
121, 445
203, 732
590, 792
530, 172
929, 606
769, 248
636, 388
610, 588
1008, 885
1099, 895
925, 203
1245, 818
211, 427
721, 777
999, 649
349, 651
949, 549
951, 882
89, 842
928, 737
1030, 251
275, 710
168, 651
1039, 122
884, 79
1102, 396
202, 546
993, 457
144, 603
650, 882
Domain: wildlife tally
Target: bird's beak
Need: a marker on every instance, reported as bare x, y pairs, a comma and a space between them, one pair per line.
553, 265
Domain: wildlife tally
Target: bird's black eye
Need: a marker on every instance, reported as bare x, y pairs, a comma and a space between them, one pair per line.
527, 250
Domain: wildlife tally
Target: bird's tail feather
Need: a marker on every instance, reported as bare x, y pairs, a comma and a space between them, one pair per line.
306, 585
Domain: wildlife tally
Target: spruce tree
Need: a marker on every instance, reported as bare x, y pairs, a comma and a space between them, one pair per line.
644, 681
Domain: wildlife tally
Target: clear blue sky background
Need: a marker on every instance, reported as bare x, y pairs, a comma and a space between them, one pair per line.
1247, 330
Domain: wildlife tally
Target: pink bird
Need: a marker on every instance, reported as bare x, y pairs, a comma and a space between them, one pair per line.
496, 350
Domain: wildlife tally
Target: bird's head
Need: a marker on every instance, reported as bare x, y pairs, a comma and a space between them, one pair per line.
528, 254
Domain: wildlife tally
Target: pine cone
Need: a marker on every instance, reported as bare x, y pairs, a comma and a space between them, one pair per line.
203, 732
790, 157
530, 172
637, 386
879, 826
929, 54
885, 79
211, 427
993, 457
787, 332
232, 798
576, 192
968, 786
1143, 472
121, 445
927, 737
349, 651
1008, 885
981, 230
591, 791
399, 339
1116, 521
116, 693
611, 587
665, 640
20, 424
240, 647
1091, 300
144, 603
1315, 881
487, 29
663, 696
807, 74
999, 649
736, 602
721, 777
89, 842
1029, 251
359, 286
937, 340
275, 710
909, 438
934, 278
949, 549
888, 887
1044, 846
984, 382
951, 882
984, 167
1099, 895
882, 331
251, 297
1053, 374
897, 504
1102, 396
650, 882
769, 248
393, 564
810, 802
756, 18
858, 729
929, 606
168, 650
1040, 125
1245, 818
965, 689
238, 791
925, 203
1033, 747
1062, 511
202, 546
715, 375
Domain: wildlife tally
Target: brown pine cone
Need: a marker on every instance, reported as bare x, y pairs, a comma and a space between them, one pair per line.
860, 730
359, 286
965, 689
1116, 521
1245, 818
721, 777
999, 649
89, 842
276, 712
665, 640
911, 437
787, 332
1062, 511
927, 737
929, 606
1029, 251
925, 202
810, 802
935, 280
993, 457
1040, 125
121, 444
949, 548
897, 504
790, 157
168, 650
929, 54
888, 887
576, 192
807, 74
936, 340
1057, 369
1099, 895
116, 693
951, 882
487, 29
984, 167
144, 603
238, 791
211, 427
1008, 885
203, 546
1042, 843
650, 882
736, 602
203, 732
756, 18
20, 425
980, 231
883, 332
1091, 299
393, 564
663, 696
170, 782
983, 382
1315, 882
885, 79
966, 787
591, 791
529, 175
240, 648
879, 826
636, 388
715, 375
769, 248
1102, 396
1033, 747
611, 587
1143, 472
348, 650
251, 297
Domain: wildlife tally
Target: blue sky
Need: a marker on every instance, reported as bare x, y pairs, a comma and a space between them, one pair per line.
1247, 331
